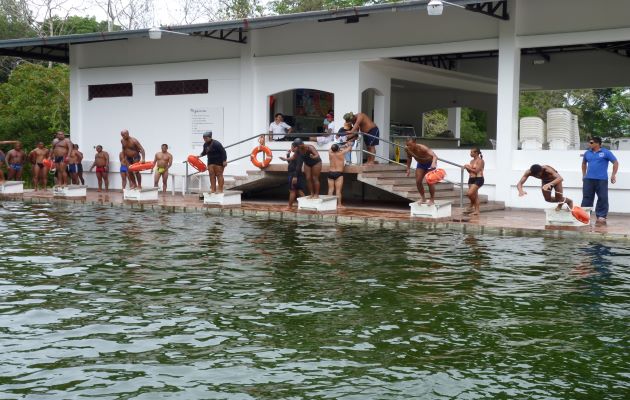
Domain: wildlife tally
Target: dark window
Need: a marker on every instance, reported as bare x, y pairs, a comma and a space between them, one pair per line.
169, 88
111, 90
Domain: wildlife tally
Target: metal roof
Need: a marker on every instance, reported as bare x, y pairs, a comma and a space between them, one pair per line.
57, 48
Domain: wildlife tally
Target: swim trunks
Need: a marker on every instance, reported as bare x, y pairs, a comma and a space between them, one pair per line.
476, 181
311, 161
299, 185
132, 160
424, 166
369, 140
40, 165
59, 159
73, 168
161, 170
102, 169
15, 167
334, 175
123, 169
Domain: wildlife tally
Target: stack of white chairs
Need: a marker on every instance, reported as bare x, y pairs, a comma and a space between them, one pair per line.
575, 133
532, 133
559, 128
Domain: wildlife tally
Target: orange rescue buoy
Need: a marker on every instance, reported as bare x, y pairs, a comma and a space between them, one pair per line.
435, 176
47, 163
137, 167
268, 156
197, 163
581, 215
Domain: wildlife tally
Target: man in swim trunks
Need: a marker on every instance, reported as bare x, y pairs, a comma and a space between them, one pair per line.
362, 123
217, 161
39, 170
296, 178
312, 166
3, 157
475, 180
124, 168
336, 155
80, 164
61, 149
101, 162
134, 152
162, 162
550, 180
73, 165
15, 161
426, 161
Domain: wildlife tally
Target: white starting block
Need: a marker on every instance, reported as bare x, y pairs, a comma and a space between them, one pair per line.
563, 217
70, 191
12, 187
229, 198
320, 204
441, 209
141, 195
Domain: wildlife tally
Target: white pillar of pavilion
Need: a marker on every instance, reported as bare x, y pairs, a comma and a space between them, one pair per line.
507, 103
454, 121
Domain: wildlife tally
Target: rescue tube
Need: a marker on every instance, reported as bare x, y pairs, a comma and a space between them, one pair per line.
197, 163
581, 215
435, 176
48, 163
268, 156
137, 167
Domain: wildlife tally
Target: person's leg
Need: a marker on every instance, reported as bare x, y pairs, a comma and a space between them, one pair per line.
138, 179
164, 181
315, 172
43, 175
99, 179
371, 159
213, 179
106, 179
1, 174
132, 179
11, 173
338, 188
123, 177
331, 187
472, 189
81, 175
588, 192
601, 209
218, 171
419, 184
35, 172
474, 199
309, 182
431, 194
156, 178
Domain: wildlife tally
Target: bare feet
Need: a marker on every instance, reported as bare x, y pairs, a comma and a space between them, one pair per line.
559, 206
468, 210
422, 200
474, 213
431, 202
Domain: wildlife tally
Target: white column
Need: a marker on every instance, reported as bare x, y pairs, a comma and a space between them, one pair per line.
247, 103
507, 103
454, 121
76, 122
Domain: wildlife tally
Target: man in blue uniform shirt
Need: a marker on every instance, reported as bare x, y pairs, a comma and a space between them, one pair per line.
595, 177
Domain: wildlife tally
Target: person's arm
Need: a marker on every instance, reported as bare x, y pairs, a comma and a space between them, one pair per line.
170, 160
519, 185
93, 164
584, 166
140, 149
613, 177
434, 158
31, 157
409, 159
155, 160
223, 155
205, 150
314, 153
288, 128
106, 161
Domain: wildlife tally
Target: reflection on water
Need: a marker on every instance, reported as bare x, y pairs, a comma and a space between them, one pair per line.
121, 304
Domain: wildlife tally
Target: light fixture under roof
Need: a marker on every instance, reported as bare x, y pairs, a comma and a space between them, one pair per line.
435, 7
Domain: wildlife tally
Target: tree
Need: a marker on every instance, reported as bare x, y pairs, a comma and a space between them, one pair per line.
128, 14
15, 20
296, 6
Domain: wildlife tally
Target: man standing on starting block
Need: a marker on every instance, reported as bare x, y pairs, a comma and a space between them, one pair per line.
551, 180
427, 161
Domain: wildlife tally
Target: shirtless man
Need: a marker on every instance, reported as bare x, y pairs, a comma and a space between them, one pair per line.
362, 123
3, 157
15, 160
74, 158
40, 172
134, 152
550, 180
80, 164
336, 155
124, 169
61, 149
101, 162
162, 162
426, 161
475, 180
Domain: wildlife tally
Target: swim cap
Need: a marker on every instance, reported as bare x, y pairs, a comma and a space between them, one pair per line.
208, 134
334, 147
298, 142
348, 116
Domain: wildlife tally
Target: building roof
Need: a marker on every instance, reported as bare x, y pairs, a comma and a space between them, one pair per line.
57, 48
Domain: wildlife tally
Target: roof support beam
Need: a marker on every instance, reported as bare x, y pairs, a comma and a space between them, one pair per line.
234, 35
498, 10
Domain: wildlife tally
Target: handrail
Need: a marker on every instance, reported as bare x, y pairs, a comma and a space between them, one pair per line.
461, 178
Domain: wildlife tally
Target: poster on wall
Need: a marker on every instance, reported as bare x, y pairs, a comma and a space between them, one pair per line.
204, 119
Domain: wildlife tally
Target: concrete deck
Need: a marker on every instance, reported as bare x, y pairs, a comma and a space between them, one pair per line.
373, 214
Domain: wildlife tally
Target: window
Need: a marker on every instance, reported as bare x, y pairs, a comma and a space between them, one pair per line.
110, 90
169, 88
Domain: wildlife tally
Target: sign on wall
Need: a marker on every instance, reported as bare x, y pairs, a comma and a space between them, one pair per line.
204, 119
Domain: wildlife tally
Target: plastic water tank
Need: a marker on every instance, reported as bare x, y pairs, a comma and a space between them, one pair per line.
559, 128
575, 133
532, 133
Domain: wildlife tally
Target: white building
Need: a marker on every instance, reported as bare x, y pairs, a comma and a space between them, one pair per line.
393, 61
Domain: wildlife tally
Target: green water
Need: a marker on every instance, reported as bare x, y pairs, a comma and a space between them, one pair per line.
120, 304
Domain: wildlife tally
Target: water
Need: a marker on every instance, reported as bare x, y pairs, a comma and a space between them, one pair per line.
120, 304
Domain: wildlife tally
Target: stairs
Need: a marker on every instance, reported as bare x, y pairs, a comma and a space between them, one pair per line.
392, 178
254, 180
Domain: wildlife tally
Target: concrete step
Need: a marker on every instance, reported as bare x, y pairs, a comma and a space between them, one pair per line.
406, 187
484, 207
382, 168
415, 196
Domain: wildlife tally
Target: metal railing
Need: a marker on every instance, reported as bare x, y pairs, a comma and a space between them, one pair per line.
361, 150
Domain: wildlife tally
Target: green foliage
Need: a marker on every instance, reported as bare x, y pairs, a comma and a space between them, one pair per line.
296, 6
474, 127
238, 9
435, 122
34, 103
77, 25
